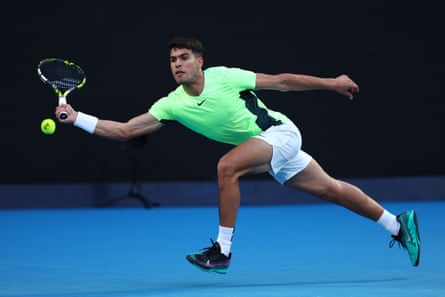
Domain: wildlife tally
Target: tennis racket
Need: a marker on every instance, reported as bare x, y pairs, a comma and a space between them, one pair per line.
63, 76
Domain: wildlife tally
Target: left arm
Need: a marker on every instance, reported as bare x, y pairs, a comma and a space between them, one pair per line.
299, 82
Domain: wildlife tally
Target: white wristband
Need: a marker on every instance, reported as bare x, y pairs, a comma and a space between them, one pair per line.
86, 122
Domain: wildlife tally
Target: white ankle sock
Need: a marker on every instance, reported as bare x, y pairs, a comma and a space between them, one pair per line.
225, 235
389, 222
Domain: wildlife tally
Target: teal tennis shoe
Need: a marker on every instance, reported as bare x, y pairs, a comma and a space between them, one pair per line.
408, 237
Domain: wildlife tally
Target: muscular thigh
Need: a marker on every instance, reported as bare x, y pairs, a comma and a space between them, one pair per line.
313, 179
252, 156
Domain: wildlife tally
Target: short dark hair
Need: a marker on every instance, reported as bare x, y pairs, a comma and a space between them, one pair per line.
190, 43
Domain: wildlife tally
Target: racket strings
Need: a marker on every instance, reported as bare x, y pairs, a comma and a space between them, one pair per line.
62, 75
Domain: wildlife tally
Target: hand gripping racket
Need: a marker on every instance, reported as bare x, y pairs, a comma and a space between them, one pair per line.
63, 76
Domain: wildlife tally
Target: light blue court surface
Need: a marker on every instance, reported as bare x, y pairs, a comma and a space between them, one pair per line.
292, 250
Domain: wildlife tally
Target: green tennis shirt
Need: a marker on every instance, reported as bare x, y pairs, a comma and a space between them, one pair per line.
226, 111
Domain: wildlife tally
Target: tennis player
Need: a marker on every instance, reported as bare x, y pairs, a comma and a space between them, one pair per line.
221, 104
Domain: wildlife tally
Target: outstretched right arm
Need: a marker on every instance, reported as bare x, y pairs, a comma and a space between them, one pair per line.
137, 126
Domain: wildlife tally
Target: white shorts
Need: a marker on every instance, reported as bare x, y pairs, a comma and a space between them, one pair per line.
287, 158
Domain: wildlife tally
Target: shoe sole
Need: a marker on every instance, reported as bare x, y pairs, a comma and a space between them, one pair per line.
192, 260
416, 263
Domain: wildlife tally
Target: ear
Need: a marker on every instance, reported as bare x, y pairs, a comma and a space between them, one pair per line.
201, 61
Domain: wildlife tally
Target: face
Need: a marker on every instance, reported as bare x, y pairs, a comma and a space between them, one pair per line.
185, 67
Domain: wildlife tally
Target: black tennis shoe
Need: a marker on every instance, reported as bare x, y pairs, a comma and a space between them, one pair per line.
211, 259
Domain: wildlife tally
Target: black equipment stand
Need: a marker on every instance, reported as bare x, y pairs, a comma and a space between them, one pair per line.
135, 189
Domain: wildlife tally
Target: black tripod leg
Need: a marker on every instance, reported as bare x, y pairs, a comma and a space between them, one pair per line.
134, 191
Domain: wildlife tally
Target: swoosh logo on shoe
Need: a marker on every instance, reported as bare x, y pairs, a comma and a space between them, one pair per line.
407, 236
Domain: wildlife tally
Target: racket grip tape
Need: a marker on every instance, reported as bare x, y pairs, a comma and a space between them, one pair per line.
62, 100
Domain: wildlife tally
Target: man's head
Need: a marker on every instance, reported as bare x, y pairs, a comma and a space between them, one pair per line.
186, 59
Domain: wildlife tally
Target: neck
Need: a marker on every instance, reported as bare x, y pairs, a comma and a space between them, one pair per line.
196, 87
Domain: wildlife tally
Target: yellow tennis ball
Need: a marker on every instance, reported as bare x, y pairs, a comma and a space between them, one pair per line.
48, 126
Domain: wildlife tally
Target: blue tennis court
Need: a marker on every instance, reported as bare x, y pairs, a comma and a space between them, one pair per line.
282, 250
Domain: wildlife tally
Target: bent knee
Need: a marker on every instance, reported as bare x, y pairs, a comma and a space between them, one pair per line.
226, 168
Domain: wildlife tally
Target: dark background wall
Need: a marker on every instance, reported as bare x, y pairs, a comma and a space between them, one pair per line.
394, 127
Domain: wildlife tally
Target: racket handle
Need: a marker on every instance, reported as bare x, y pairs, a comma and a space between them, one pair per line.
62, 100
